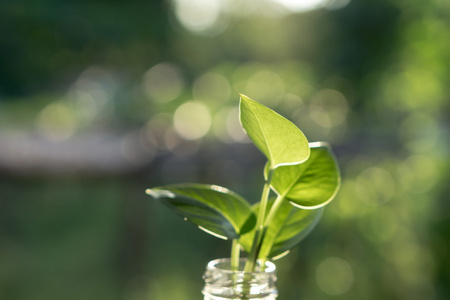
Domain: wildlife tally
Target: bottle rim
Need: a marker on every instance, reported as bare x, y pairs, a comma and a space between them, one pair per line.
214, 265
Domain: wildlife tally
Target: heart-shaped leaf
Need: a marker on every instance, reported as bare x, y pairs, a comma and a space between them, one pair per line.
289, 226
312, 184
277, 137
216, 210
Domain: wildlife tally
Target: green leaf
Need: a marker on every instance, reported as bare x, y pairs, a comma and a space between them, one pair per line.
312, 184
278, 138
289, 226
215, 209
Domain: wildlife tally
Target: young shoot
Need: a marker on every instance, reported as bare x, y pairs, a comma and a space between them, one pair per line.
300, 179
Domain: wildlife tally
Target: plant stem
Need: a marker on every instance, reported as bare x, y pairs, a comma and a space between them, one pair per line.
260, 231
251, 260
235, 252
272, 212
263, 205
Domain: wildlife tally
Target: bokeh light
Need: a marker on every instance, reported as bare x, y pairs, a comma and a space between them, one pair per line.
100, 101
201, 16
328, 108
264, 84
299, 6
57, 122
163, 82
375, 186
192, 120
334, 276
212, 88
418, 173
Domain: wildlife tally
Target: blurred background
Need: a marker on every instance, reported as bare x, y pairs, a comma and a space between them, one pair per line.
100, 100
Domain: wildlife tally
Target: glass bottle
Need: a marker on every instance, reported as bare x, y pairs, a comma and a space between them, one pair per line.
222, 283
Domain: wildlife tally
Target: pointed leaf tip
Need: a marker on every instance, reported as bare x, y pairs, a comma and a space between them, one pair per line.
159, 193
281, 141
214, 209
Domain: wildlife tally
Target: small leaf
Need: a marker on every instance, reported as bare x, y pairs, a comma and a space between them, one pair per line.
278, 138
289, 226
216, 210
312, 184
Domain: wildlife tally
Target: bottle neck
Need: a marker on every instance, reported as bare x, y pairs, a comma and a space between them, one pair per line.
223, 283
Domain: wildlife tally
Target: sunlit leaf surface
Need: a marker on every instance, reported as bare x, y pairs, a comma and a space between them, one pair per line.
289, 226
278, 138
311, 184
216, 210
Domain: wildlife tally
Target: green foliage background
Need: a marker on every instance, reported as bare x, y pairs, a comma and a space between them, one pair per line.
92, 112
